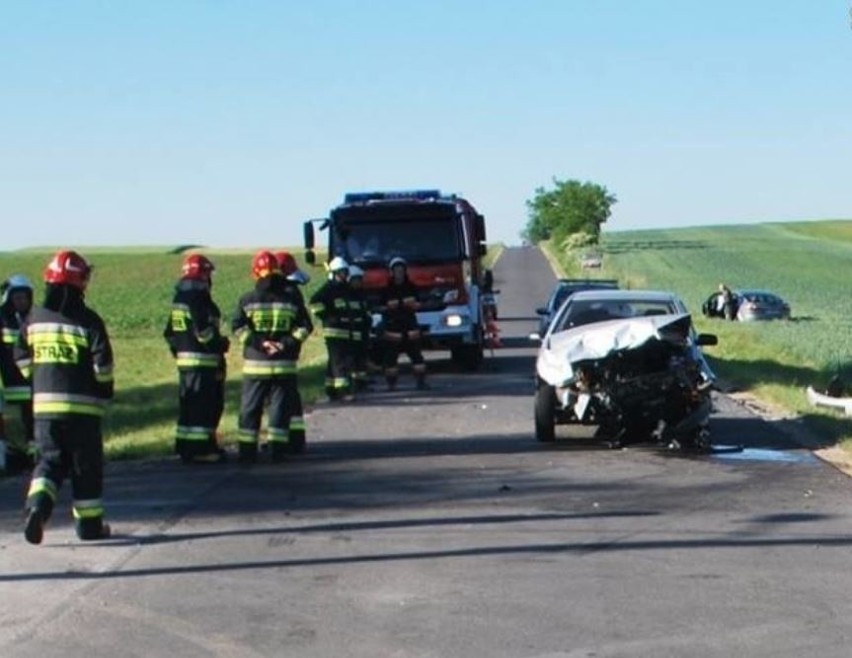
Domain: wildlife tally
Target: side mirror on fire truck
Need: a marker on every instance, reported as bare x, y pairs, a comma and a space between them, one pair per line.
308, 229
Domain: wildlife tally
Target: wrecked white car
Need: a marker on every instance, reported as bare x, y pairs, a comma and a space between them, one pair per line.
628, 362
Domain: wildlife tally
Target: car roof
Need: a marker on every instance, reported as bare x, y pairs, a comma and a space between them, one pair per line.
608, 283
620, 295
755, 291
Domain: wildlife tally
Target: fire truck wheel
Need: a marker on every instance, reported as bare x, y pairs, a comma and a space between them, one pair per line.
468, 357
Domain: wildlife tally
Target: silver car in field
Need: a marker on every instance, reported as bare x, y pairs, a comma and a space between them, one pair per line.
629, 362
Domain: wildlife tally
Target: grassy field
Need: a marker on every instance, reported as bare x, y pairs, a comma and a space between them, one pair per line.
807, 263
132, 289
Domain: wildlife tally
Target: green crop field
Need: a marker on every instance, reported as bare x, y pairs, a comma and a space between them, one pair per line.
132, 289
807, 263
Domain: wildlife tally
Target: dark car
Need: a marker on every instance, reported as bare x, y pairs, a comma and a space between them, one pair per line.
750, 304
562, 291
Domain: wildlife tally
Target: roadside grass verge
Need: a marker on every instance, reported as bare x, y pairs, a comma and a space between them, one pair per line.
807, 263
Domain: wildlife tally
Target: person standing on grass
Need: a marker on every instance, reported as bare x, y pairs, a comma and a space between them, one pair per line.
271, 324
17, 300
194, 338
66, 351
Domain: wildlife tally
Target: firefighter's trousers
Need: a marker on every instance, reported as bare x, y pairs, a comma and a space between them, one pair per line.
360, 359
201, 394
286, 425
338, 372
70, 445
411, 348
19, 454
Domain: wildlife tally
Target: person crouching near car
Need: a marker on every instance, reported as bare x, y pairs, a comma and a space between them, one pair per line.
401, 331
66, 351
194, 338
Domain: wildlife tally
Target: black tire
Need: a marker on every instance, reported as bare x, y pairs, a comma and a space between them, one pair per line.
545, 414
468, 357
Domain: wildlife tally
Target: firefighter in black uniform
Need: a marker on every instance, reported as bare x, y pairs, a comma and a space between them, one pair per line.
401, 333
331, 305
293, 277
362, 321
271, 322
193, 336
65, 347
17, 300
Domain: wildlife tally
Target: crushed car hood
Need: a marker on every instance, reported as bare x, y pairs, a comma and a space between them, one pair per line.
563, 350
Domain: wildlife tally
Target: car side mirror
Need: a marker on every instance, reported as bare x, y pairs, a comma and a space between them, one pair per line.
706, 339
541, 310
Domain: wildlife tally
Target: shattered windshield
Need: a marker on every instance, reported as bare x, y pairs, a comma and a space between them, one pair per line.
579, 313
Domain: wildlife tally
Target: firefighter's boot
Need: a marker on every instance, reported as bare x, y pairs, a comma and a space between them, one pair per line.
39, 508
279, 451
92, 529
248, 453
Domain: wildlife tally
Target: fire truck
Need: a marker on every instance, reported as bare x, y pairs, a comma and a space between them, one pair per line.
441, 237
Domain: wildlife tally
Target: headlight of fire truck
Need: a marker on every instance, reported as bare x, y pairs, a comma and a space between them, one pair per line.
453, 320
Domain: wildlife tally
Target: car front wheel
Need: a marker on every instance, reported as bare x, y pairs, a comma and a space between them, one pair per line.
545, 414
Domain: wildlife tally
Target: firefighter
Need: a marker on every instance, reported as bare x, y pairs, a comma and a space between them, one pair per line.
401, 333
271, 322
65, 349
331, 305
293, 277
194, 338
17, 300
362, 321
290, 269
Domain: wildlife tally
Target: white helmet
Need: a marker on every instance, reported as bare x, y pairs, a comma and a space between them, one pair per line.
337, 264
355, 272
300, 277
15, 282
397, 260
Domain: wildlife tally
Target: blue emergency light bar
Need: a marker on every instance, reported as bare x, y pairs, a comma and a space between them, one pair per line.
401, 195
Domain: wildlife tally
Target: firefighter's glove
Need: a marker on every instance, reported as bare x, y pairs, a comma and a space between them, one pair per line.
272, 347
224, 345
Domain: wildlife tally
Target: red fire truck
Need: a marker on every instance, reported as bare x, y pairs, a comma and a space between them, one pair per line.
441, 237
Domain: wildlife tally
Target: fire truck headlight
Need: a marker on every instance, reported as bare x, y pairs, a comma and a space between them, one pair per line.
453, 320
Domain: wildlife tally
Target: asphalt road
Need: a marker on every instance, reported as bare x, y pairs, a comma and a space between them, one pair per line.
433, 524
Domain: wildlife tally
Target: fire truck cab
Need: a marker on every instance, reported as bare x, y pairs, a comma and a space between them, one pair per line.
441, 237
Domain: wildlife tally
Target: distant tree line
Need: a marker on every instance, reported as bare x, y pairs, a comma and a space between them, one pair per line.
571, 213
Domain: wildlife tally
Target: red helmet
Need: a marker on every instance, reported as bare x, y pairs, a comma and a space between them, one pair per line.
198, 267
68, 268
263, 264
286, 262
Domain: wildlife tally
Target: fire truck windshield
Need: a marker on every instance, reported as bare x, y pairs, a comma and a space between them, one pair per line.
371, 240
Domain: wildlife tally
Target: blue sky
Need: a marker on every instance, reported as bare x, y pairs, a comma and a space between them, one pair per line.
226, 123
